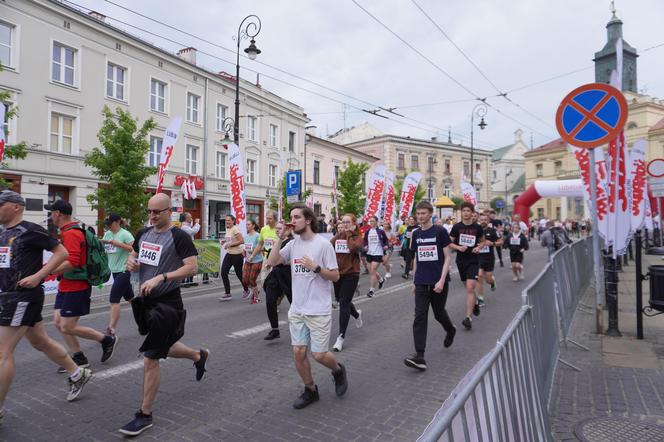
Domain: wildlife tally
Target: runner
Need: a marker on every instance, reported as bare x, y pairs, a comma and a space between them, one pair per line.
391, 239
518, 243
487, 258
375, 244
191, 227
163, 255
21, 275
405, 246
253, 261
233, 244
118, 243
267, 237
313, 269
347, 244
497, 224
277, 285
73, 298
468, 239
430, 245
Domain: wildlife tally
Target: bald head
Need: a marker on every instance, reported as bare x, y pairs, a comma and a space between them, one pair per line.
160, 201
159, 208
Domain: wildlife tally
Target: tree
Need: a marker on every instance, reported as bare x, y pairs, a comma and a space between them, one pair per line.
494, 203
274, 203
349, 187
16, 151
457, 200
419, 194
120, 164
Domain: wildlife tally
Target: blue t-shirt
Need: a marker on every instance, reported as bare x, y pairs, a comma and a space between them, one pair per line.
427, 247
250, 243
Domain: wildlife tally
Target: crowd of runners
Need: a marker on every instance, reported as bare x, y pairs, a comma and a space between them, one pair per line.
283, 259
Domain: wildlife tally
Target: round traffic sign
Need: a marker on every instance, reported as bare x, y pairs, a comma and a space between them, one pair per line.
591, 115
500, 204
656, 168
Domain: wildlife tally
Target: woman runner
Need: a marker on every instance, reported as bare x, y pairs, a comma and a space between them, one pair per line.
517, 243
253, 261
233, 244
375, 244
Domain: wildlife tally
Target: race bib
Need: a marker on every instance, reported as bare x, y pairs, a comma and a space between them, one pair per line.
409, 233
149, 253
484, 249
515, 241
427, 253
467, 240
248, 247
5, 257
268, 243
110, 248
299, 269
341, 246
373, 239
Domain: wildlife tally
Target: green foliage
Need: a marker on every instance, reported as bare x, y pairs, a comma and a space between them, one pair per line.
16, 151
349, 187
121, 164
274, 203
457, 200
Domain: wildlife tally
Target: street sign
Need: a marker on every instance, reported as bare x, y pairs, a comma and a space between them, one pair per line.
500, 204
293, 181
591, 115
656, 168
656, 186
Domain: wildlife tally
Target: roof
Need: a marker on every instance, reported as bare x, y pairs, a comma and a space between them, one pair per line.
658, 126
519, 184
498, 154
552, 145
443, 201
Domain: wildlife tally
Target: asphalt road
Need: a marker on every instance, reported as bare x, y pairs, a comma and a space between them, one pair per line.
251, 383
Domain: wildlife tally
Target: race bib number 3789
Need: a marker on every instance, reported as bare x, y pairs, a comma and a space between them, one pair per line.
149, 253
299, 269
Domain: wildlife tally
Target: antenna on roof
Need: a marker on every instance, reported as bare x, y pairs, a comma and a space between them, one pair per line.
531, 140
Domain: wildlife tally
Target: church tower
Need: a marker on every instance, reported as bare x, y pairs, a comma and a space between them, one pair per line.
605, 60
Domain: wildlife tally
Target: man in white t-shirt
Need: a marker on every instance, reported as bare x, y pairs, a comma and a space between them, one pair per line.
313, 269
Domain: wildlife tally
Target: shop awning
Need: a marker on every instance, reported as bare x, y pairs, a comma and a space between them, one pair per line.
443, 201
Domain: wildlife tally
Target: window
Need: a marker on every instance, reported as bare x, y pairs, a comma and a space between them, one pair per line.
336, 174
251, 128
272, 175
316, 172
6, 43
466, 169
274, 132
191, 160
414, 162
447, 166
538, 170
495, 174
115, 81
540, 213
401, 161
62, 133
222, 113
430, 163
158, 96
250, 173
220, 165
430, 192
193, 102
558, 167
62, 66
447, 191
254, 211
155, 151
291, 141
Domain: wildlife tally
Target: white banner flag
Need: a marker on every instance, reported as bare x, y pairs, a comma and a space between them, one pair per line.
3, 135
636, 183
238, 193
583, 159
408, 190
167, 146
375, 193
468, 192
389, 215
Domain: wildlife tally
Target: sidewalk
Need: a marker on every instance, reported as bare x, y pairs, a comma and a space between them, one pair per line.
619, 394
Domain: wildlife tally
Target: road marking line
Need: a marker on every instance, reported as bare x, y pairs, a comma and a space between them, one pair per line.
120, 369
253, 330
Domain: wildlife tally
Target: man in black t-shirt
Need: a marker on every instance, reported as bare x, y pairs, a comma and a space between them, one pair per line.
498, 225
22, 245
468, 239
430, 247
487, 258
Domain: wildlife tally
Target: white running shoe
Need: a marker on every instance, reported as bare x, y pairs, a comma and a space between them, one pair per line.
339, 345
388, 275
521, 277
358, 322
516, 278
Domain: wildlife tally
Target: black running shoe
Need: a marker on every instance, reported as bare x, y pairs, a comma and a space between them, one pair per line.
381, 281
108, 345
79, 359
416, 362
405, 276
139, 424
340, 380
476, 309
202, 362
273, 334
467, 323
370, 294
308, 397
449, 337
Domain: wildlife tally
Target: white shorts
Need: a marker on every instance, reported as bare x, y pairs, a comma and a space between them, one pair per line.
310, 330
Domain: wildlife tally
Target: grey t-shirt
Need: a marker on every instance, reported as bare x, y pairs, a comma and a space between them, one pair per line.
162, 252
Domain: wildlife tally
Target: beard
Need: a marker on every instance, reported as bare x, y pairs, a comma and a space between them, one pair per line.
301, 231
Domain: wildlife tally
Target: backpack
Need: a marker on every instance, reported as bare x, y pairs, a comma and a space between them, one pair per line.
559, 239
96, 270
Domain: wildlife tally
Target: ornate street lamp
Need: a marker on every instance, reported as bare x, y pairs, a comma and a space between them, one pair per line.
479, 110
250, 30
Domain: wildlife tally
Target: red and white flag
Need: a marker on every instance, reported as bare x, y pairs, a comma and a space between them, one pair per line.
468, 192
374, 193
583, 159
390, 213
167, 147
3, 135
189, 188
636, 182
238, 193
408, 191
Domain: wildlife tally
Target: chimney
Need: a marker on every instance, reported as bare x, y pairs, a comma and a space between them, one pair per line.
188, 55
97, 15
434, 139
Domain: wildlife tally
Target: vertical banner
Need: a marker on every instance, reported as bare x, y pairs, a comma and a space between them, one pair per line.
468, 192
335, 201
3, 135
389, 215
238, 193
408, 190
636, 183
374, 193
280, 210
167, 147
583, 159
619, 204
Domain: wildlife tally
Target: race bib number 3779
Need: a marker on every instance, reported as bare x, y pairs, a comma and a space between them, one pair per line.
149, 253
341, 246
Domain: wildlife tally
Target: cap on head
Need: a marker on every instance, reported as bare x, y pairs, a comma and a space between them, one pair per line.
113, 217
9, 196
61, 206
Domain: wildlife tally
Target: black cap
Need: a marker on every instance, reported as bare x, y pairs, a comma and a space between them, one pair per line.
61, 206
113, 217
9, 196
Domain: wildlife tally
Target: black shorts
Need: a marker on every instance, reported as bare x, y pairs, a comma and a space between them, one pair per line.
468, 269
21, 308
375, 258
121, 288
516, 256
487, 264
73, 304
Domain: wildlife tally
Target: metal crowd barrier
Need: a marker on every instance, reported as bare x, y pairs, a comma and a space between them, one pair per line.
505, 396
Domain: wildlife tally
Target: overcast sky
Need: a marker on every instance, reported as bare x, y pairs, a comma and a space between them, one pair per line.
336, 44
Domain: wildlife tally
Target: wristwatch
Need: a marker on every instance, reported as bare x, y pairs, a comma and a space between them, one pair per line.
317, 269
164, 276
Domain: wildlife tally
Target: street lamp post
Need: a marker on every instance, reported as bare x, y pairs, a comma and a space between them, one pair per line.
251, 30
506, 196
480, 110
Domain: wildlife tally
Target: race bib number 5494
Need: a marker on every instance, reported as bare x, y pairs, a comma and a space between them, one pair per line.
149, 253
427, 253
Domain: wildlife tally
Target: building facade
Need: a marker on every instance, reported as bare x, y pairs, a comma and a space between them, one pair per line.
508, 171
62, 66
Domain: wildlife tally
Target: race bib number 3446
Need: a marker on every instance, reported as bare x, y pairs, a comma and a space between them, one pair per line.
149, 253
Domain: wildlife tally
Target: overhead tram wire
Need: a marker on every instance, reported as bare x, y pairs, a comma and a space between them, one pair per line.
437, 129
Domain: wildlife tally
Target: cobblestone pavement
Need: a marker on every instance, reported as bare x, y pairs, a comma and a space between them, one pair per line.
252, 383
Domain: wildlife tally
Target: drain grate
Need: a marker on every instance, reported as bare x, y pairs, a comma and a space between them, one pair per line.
612, 429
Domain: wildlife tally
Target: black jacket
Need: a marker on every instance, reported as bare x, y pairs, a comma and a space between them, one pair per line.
162, 322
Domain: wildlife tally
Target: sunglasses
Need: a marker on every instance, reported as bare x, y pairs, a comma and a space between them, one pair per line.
156, 211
